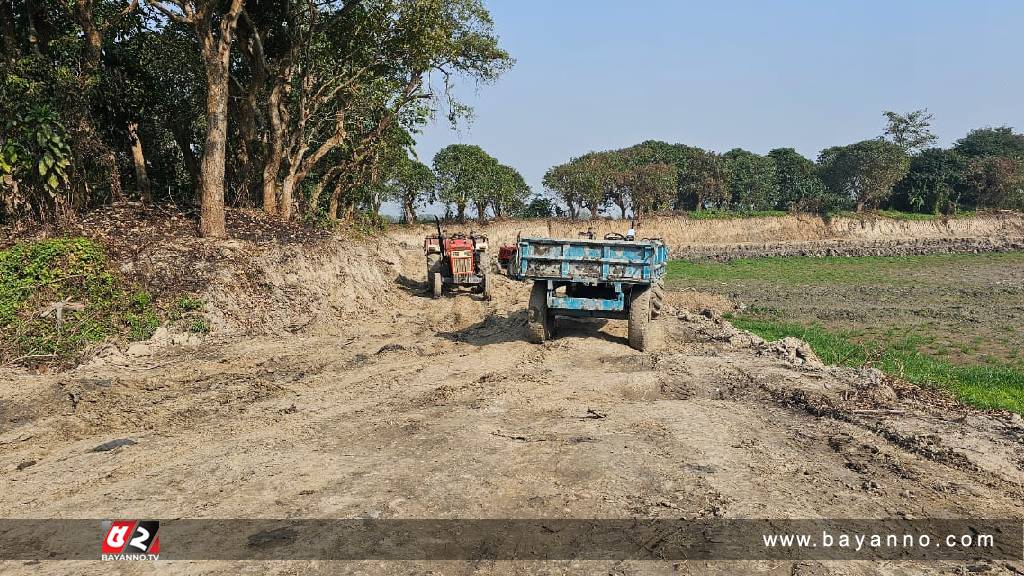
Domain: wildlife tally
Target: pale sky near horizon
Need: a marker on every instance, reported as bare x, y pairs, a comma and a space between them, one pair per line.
602, 74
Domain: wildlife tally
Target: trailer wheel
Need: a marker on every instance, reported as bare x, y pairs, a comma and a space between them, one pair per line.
642, 330
540, 326
657, 300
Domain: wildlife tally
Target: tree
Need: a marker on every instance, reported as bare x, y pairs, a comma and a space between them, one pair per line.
796, 179
465, 174
864, 172
597, 175
933, 183
563, 181
509, 190
214, 27
1001, 141
540, 206
704, 182
353, 73
910, 131
752, 180
411, 183
996, 181
650, 187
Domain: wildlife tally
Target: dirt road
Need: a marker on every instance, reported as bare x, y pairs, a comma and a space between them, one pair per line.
440, 409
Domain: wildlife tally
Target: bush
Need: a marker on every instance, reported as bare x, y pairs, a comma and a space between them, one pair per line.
58, 296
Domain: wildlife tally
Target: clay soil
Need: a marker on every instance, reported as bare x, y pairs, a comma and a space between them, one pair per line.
421, 408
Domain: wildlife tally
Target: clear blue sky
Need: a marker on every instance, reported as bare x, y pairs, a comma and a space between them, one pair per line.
601, 74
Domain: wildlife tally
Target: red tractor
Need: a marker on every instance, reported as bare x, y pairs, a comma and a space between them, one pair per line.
456, 260
507, 255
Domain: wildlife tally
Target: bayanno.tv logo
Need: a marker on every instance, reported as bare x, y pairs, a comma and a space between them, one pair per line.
130, 540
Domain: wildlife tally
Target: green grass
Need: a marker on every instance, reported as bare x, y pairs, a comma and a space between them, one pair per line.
821, 270
891, 214
726, 214
34, 275
985, 386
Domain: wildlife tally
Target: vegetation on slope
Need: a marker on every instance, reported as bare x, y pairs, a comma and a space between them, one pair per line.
60, 295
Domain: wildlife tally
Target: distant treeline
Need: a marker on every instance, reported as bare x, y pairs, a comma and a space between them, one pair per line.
899, 170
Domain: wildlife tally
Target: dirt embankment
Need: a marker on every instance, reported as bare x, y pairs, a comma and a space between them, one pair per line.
268, 278
794, 235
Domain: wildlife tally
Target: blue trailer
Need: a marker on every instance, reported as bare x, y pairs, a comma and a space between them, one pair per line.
611, 278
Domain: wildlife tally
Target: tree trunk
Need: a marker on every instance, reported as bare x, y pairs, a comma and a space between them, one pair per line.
332, 204
93, 40
211, 203
141, 177
408, 212
10, 37
860, 206
481, 211
314, 199
188, 156
461, 211
116, 192
216, 53
287, 193
33, 32
275, 150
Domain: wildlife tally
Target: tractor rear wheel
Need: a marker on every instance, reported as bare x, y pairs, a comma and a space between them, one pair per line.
642, 329
540, 325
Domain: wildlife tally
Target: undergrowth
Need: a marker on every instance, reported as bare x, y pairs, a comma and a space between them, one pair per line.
60, 295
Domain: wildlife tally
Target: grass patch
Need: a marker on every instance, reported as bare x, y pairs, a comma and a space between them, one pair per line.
827, 269
97, 305
726, 214
890, 214
984, 386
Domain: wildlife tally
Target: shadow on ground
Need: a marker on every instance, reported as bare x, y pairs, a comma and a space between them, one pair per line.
512, 328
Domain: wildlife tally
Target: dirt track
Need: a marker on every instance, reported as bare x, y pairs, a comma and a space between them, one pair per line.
440, 409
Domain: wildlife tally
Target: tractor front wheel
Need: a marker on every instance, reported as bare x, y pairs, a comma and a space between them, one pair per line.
485, 286
436, 284
540, 324
434, 274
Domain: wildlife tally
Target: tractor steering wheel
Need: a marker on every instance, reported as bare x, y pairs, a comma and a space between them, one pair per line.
614, 236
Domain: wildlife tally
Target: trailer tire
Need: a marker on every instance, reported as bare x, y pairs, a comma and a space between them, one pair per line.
657, 300
642, 329
540, 326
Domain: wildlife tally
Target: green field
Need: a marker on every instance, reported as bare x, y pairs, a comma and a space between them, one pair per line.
950, 320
